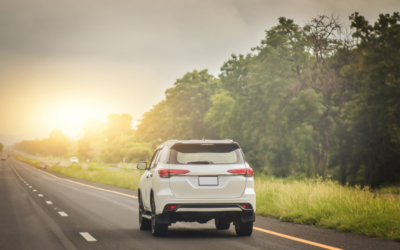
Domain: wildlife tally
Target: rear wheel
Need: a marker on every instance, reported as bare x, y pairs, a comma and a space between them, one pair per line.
244, 229
222, 224
158, 230
144, 224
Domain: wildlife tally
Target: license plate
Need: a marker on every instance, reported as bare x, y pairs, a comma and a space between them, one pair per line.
208, 181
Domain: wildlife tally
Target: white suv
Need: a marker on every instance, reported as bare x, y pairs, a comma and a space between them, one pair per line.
197, 181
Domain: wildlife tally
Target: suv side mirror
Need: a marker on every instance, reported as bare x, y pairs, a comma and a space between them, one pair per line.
142, 165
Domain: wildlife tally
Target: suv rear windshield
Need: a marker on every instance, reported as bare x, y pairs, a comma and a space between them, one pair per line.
205, 154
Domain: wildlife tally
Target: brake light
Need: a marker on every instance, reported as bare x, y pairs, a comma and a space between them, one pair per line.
170, 207
248, 172
245, 206
166, 173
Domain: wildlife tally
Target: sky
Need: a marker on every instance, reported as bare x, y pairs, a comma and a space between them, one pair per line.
64, 61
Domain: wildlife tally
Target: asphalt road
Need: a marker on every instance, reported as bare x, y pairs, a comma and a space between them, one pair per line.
44, 210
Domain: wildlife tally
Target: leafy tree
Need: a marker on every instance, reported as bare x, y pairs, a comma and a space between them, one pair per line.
182, 114
57, 144
259, 90
117, 125
375, 111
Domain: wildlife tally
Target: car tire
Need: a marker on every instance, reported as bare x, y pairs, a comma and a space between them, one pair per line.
222, 224
158, 230
244, 229
144, 224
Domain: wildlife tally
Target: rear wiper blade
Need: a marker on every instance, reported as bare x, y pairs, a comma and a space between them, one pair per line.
200, 162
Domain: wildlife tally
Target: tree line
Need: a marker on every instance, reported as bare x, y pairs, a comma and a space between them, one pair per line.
318, 99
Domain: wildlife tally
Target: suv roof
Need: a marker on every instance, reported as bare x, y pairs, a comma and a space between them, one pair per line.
170, 143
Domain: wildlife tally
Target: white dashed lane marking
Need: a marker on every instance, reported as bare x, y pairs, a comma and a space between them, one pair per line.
63, 214
49, 202
87, 236
34, 190
40, 195
30, 186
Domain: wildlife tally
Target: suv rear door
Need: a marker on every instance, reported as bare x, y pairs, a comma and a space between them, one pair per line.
220, 184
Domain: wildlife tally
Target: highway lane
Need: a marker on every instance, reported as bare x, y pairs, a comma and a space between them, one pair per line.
110, 220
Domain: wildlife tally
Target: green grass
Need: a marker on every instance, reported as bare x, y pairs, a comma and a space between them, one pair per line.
312, 202
389, 190
123, 179
330, 205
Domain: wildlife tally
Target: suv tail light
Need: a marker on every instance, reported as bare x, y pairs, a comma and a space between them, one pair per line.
166, 173
245, 206
170, 207
248, 172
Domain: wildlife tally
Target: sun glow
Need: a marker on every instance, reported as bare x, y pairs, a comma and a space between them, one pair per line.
70, 116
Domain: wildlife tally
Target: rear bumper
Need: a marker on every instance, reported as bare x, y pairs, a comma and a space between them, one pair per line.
203, 213
164, 197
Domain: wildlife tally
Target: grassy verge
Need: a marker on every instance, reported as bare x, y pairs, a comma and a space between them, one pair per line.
123, 179
312, 202
330, 205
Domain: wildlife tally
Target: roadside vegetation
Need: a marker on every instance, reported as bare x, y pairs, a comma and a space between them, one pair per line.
328, 204
123, 179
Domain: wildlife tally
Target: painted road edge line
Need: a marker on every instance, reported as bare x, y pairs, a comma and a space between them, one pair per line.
296, 239
255, 228
63, 214
87, 236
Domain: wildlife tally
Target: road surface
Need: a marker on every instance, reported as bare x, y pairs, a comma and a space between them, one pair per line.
44, 210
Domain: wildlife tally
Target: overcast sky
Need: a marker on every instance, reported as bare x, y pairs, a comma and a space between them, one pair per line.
64, 61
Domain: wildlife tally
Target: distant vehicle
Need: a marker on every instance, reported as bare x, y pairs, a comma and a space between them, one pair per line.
197, 180
74, 160
3, 158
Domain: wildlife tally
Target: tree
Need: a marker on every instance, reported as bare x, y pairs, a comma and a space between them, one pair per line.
182, 114
375, 110
57, 143
1, 147
117, 125
260, 111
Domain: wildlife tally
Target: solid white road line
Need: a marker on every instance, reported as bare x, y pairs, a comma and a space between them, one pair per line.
87, 236
63, 214
49, 202
40, 195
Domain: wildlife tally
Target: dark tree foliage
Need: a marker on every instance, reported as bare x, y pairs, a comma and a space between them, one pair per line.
373, 115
